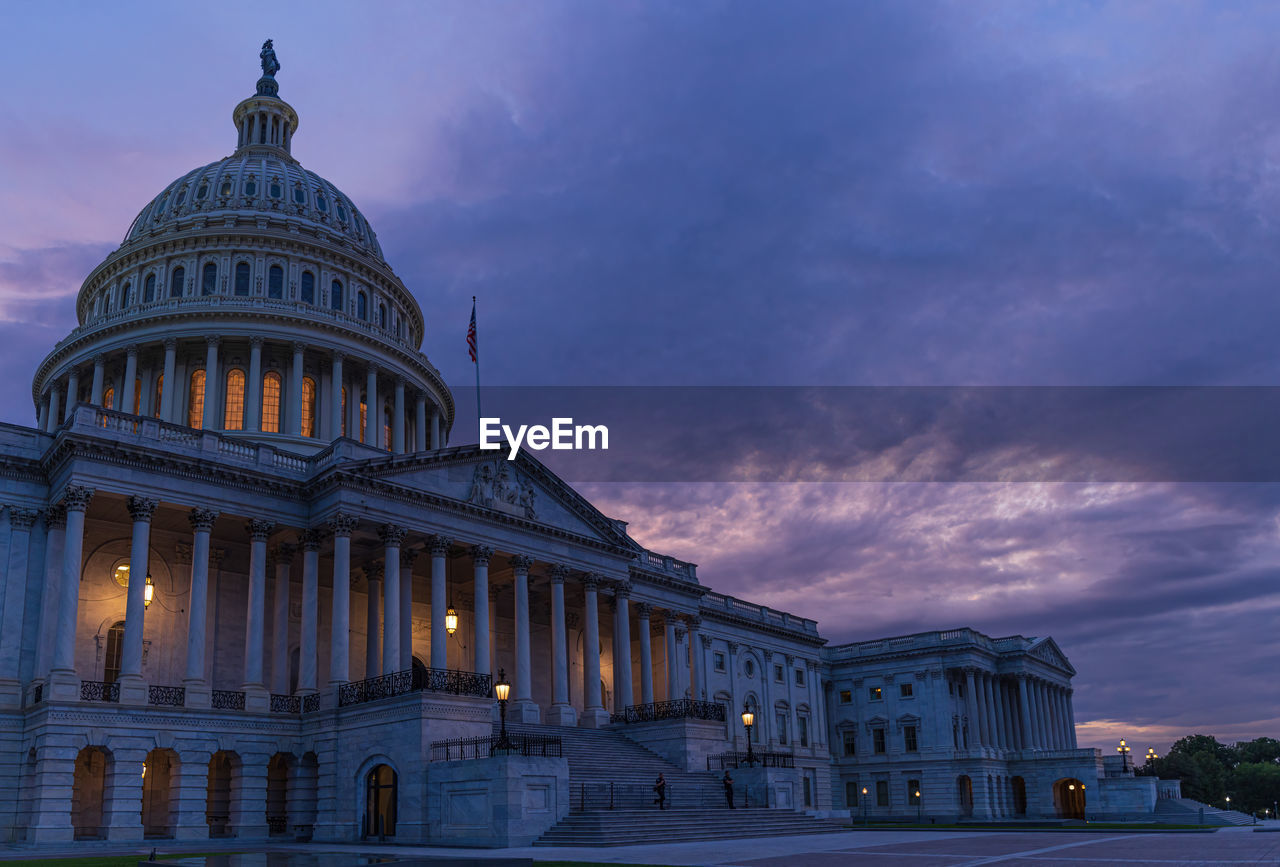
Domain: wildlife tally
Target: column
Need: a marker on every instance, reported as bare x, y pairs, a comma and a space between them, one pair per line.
307, 646
392, 537
735, 706
122, 793
255, 691
993, 711
622, 684
764, 715
280, 621
1071, 719
55, 408
198, 691
133, 689
210, 420
1025, 740
439, 547
169, 386
397, 418
99, 373
1042, 714
792, 735
524, 708
373, 414
55, 525
129, 390
253, 388
407, 556
562, 712
420, 423
293, 406
372, 645
335, 398
342, 526
695, 648
435, 429
14, 597
971, 709
669, 649
646, 652
1059, 717
997, 703
73, 393
64, 683
593, 715
480, 555
42, 414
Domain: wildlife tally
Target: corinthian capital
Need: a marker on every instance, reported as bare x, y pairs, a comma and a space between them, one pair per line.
142, 508
481, 554
259, 529
392, 535
439, 545
76, 498
520, 563
202, 519
343, 524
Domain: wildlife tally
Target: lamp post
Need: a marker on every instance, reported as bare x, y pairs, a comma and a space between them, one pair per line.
502, 691
1123, 750
748, 720
919, 808
864, 805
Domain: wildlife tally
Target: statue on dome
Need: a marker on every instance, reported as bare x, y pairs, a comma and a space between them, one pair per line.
270, 65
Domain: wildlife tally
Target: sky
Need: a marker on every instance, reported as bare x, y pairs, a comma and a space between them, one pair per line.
1077, 199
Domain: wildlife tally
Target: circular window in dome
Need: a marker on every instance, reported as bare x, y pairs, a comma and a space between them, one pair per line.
120, 573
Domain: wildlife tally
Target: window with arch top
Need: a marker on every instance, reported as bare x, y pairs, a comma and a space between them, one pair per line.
307, 287
308, 407
176, 280
195, 399
149, 289
335, 295
242, 278
382, 315
233, 415
275, 282
209, 279
362, 305
271, 402
124, 295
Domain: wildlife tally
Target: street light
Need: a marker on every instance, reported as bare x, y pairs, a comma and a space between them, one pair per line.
1151, 754
748, 720
502, 691
1123, 750
864, 805
919, 807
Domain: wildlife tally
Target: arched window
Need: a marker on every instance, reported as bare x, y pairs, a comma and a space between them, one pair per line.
250, 187
364, 419
308, 406
155, 399
386, 428
380, 803
242, 278
233, 415
202, 191
382, 316
124, 295
209, 279
195, 399
111, 659
335, 295
275, 282
226, 189
109, 399
308, 287
176, 280
275, 190
149, 289
300, 195
271, 402
362, 305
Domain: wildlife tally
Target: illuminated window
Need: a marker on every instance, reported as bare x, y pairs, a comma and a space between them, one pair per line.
233, 416
155, 400
195, 399
270, 402
137, 395
176, 281
308, 406
386, 429
275, 282
109, 399
308, 287
364, 420
875, 693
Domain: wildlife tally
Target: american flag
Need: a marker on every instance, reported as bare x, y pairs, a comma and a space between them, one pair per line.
471, 334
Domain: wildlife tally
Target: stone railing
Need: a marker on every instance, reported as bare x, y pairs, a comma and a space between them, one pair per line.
1087, 754
758, 613
927, 640
415, 680
669, 565
685, 708
515, 743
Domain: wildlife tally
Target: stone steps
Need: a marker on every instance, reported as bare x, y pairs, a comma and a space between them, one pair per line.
1187, 810
632, 827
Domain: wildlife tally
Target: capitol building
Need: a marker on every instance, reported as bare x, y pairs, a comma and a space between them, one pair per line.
253, 590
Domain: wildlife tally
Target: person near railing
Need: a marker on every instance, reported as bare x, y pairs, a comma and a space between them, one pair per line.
660, 787
728, 789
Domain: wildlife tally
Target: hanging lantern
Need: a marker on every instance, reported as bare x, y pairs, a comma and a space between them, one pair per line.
148, 592
451, 621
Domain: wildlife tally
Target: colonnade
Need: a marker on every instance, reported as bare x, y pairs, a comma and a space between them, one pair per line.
1022, 712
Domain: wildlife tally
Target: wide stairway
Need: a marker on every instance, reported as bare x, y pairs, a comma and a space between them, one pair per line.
611, 796
1184, 811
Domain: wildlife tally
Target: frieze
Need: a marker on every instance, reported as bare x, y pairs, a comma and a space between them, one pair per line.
495, 485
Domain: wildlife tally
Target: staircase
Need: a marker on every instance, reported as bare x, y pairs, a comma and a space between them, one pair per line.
1187, 811
612, 800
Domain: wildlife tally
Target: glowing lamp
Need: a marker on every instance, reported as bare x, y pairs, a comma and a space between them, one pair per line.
148, 592
451, 621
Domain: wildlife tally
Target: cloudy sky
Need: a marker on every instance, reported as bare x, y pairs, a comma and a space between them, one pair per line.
722, 194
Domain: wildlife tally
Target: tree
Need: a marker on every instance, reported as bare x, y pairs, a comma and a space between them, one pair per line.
1265, 750
1256, 785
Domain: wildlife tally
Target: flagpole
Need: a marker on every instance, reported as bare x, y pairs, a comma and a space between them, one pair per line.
479, 415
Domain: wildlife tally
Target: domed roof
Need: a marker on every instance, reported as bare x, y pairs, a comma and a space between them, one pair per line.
259, 179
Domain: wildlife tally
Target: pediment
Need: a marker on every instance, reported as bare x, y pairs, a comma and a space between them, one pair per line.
1047, 650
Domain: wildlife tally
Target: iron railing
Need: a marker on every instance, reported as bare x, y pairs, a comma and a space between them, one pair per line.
585, 797
736, 759
517, 744
311, 703
415, 680
684, 708
286, 703
167, 696
277, 825
99, 690
227, 699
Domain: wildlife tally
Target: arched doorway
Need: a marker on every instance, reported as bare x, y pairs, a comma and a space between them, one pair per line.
217, 811
278, 795
964, 794
380, 802
87, 790
158, 813
1069, 797
1019, 786
302, 800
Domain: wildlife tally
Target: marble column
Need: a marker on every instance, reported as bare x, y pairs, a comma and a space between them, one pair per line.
792, 738
99, 374
436, 440
308, 662
392, 538
562, 713
1025, 741
735, 706
73, 394
480, 555
130, 390
133, 689
189, 784
373, 412
210, 419
256, 696
523, 709
397, 418
14, 597
439, 548
169, 386
669, 651
64, 682
1071, 720
420, 423
971, 708
372, 643
55, 525
55, 408
643, 610
335, 398
280, 620
292, 422
623, 687
991, 689
407, 556
694, 622
253, 388
764, 716
341, 526
593, 715
1042, 714
198, 692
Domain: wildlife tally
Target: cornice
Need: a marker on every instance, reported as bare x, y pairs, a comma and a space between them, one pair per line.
719, 616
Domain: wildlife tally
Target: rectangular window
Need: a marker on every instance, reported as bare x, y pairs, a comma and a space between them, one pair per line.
882, 793
846, 696
782, 728
719, 662
850, 743
875, 693
803, 724
851, 793
877, 736
904, 690
913, 792
777, 673
799, 677
909, 742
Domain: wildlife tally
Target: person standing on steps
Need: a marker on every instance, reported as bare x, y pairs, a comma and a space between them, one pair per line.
661, 788
728, 789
